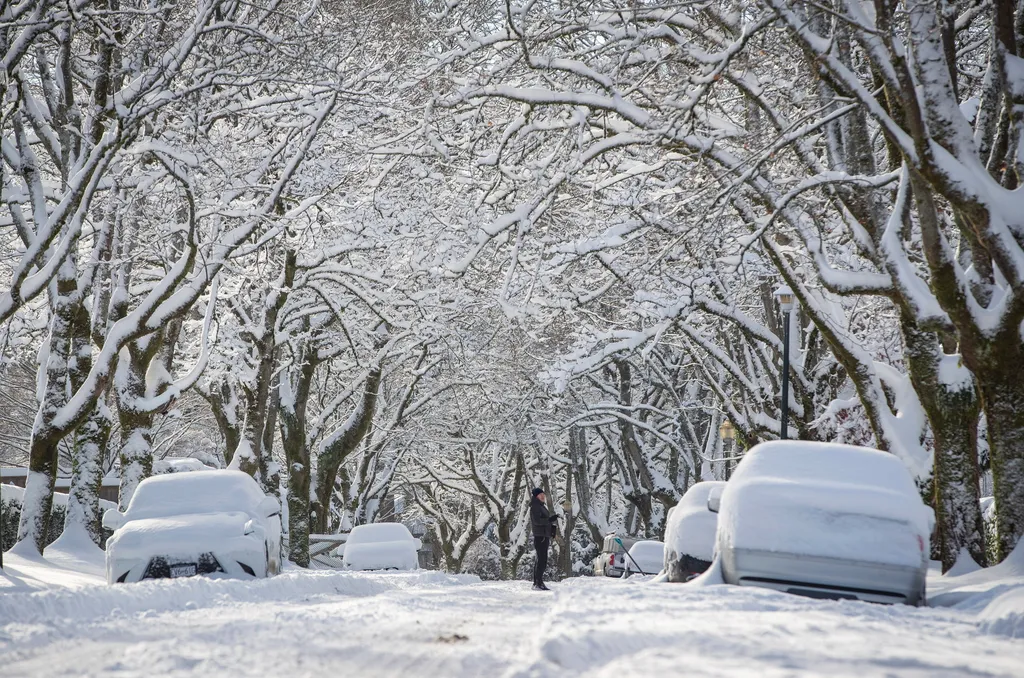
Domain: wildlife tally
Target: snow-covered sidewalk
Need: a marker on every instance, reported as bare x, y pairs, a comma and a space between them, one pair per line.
428, 623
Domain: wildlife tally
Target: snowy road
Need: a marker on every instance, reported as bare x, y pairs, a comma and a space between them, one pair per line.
306, 624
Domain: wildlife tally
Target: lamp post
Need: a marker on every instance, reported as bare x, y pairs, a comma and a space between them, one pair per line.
728, 434
787, 302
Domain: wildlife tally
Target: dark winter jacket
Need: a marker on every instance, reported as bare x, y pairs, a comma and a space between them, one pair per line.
543, 522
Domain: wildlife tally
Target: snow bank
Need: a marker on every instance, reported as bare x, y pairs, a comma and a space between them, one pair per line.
976, 588
163, 595
824, 499
1004, 616
28, 571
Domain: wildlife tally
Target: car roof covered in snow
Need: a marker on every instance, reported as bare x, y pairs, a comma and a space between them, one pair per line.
207, 492
799, 460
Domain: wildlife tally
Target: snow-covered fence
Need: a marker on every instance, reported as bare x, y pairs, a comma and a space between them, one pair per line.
326, 551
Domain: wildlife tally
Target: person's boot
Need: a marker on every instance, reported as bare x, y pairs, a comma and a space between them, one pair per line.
543, 587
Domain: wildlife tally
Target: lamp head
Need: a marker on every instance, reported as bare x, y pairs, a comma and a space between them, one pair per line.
786, 298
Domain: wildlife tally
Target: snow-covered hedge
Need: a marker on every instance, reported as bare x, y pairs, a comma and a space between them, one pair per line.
11, 498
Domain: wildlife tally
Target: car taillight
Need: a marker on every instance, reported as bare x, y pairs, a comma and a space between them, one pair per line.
920, 543
611, 559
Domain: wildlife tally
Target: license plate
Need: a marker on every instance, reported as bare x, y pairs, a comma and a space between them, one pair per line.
188, 570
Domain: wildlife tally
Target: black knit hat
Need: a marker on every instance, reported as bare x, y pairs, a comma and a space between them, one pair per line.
537, 491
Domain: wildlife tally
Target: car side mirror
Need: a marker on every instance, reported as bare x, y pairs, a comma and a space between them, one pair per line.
715, 500
112, 519
269, 506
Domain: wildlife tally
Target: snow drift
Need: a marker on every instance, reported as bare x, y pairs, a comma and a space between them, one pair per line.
202, 592
1004, 616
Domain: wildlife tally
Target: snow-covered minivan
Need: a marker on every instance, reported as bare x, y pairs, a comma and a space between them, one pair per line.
826, 521
185, 524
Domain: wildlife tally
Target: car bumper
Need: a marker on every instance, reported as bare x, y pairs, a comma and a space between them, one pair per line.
240, 563
819, 577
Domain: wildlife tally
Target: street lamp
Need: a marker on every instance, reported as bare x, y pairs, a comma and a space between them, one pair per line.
787, 302
728, 434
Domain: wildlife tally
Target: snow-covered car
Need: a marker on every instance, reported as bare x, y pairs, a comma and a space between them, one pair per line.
184, 524
690, 533
609, 563
381, 546
644, 557
826, 521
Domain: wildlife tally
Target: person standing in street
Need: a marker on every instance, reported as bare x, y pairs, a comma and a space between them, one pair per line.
543, 530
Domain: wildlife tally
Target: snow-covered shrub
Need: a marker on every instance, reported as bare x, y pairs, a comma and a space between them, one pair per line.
10, 514
482, 560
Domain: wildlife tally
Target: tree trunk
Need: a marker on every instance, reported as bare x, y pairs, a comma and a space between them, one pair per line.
223, 399
83, 512
87, 475
947, 394
1002, 395
136, 454
46, 437
297, 454
291, 413
343, 444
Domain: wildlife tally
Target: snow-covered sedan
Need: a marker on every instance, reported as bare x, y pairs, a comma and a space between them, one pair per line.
826, 521
381, 546
690, 533
186, 524
644, 557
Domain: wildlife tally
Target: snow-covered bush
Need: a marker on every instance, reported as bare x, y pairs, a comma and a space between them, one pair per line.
10, 513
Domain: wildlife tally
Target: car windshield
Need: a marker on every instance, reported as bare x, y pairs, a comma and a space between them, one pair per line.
378, 533
193, 492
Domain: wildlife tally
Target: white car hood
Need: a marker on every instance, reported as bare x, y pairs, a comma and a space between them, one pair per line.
177, 535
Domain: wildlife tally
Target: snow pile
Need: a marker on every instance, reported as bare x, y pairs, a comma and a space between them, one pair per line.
381, 546
748, 631
824, 499
964, 564
1004, 616
204, 592
978, 587
691, 526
